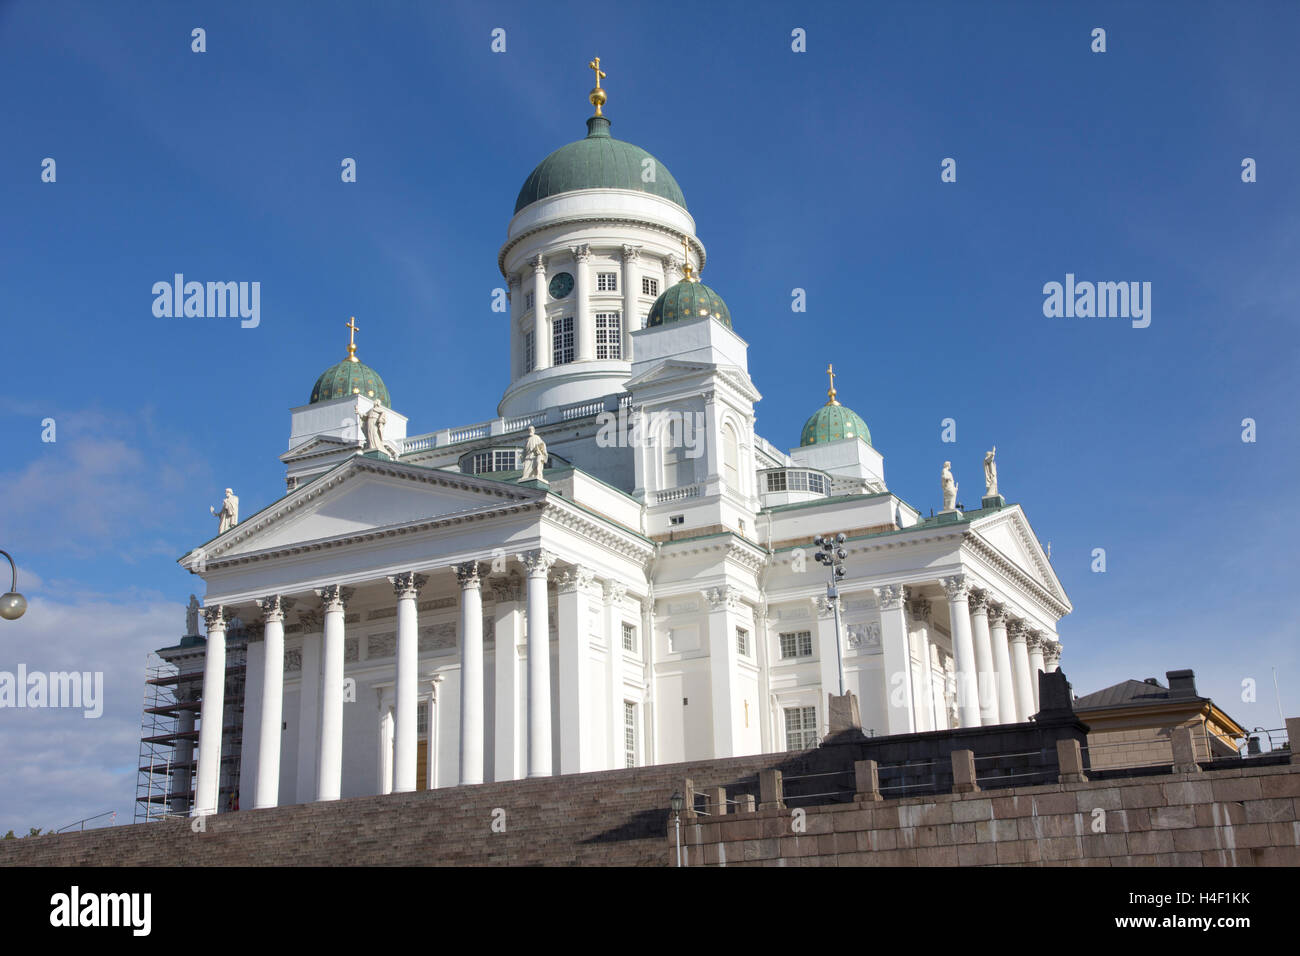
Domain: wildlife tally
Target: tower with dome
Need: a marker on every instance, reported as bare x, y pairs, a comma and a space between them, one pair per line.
418, 616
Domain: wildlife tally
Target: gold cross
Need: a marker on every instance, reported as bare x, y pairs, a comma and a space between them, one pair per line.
352, 335
686, 259
830, 370
600, 74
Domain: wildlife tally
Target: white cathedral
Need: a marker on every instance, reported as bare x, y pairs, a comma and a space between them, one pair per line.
425, 612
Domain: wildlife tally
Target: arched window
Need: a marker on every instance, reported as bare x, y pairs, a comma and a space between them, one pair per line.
731, 458
679, 468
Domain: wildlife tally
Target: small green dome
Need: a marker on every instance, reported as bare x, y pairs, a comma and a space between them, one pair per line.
832, 422
688, 299
598, 162
350, 377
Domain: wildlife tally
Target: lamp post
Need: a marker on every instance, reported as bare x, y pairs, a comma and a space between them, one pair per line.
832, 555
676, 802
12, 604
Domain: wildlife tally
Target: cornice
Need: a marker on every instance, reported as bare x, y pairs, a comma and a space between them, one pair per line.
1035, 589
675, 234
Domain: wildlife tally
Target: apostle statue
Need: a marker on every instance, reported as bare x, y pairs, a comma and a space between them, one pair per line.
374, 424
192, 617
534, 456
229, 513
949, 485
990, 473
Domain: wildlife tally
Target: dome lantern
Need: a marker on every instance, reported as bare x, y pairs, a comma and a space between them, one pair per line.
350, 377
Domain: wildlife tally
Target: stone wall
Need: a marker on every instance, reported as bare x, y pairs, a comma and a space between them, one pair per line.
1248, 815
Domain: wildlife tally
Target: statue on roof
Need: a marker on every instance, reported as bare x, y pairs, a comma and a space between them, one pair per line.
228, 516
949, 486
192, 617
374, 424
990, 473
534, 456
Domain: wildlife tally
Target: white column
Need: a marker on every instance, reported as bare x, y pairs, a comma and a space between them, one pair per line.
939, 687
584, 332
308, 705
631, 289
728, 716
614, 594
329, 765
1017, 633
211, 716
919, 636
538, 562
672, 271
431, 752
509, 689
268, 754
963, 649
986, 676
897, 654
471, 673
575, 680
386, 748
541, 345
1006, 681
1036, 663
182, 771
406, 710
516, 309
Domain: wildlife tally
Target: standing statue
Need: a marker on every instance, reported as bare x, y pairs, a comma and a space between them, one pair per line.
534, 457
229, 513
374, 423
949, 486
192, 617
990, 473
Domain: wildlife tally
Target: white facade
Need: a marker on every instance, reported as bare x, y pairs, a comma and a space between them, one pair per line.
657, 601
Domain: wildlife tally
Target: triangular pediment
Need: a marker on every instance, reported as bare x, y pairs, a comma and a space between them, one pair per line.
1009, 533
670, 371
364, 495
319, 445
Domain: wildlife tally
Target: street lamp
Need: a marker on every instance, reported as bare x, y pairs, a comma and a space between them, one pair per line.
13, 604
676, 802
831, 554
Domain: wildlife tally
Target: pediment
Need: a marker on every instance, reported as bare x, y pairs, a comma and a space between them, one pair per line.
673, 370
364, 495
320, 445
1008, 532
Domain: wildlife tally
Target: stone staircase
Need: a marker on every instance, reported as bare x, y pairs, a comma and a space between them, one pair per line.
611, 818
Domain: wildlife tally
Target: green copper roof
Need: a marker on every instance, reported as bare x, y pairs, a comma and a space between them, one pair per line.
833, 422
350, 377
598, 162
687, 300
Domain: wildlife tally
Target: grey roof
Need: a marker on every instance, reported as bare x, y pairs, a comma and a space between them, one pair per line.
1129, 693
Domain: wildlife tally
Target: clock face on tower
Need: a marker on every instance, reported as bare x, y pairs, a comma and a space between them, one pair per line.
561, 285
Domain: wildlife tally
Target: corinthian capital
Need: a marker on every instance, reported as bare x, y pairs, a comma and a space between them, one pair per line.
334, 597
467, 574
722, 597
214, 616
1034, 640
538, 262
576, 578
978, 601
997, 615
582, 252
538, 561
956, 586
891, 596
1052, 652
614, 592
631, 254
1017, 631
825, 606
407, 585
274, 607
919, 609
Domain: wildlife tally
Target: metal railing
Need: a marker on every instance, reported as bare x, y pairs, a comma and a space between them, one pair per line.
81, 824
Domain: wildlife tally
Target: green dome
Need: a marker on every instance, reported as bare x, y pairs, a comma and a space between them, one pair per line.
686, 300
597, 162
350, 377
833, 422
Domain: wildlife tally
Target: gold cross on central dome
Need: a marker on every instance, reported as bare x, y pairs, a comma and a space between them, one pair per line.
830, 393
686, 260
597, 96
352, 337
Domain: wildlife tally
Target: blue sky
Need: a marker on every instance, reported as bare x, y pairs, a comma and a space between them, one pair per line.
817, 170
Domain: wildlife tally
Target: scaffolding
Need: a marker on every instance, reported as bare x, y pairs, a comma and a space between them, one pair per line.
171, 713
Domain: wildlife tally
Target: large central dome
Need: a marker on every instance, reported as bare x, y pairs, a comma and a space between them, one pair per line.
599, 162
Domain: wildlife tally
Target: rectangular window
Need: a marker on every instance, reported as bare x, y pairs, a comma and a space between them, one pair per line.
800, 728
629, 636
562, 341
503, 460
530, 357
607, 282
742, 642
817, 483
482, 462
528, 301
629, 732
796, 644
677, 519
649, 286
776, 481
609, 336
